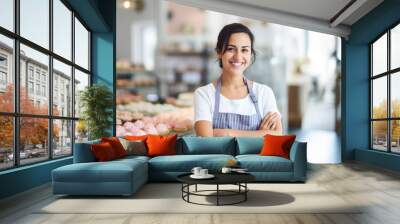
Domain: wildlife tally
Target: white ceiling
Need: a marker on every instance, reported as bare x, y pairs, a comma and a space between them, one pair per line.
321, 9
315, 15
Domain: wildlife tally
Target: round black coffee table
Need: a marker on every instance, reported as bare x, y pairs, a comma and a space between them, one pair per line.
238, 179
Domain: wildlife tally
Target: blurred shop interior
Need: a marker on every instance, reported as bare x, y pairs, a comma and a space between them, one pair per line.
166, 50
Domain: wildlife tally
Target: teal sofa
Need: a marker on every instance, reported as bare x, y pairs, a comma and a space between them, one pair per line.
125, 176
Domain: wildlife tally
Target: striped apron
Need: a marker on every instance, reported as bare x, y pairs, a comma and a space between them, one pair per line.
232, 120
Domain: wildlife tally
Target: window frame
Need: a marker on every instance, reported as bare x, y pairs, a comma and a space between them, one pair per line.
388, 74
16, 114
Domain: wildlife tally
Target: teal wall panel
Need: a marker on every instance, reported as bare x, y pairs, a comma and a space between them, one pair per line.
376, 158
103, 65
103, 53
355, 82
24, 178
356, 99
90, 13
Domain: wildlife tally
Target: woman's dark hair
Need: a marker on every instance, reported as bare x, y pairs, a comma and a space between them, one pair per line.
225, 34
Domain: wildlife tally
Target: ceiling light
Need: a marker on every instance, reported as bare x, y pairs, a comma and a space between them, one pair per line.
134, 5
127, 4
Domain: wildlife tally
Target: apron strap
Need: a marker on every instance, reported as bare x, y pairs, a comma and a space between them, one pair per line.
217, 99
249, 91
252, 97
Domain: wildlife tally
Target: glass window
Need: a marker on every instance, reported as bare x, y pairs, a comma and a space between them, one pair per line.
62, 72
81, 81
30, 71
30, 87
379, 98
34, 21
37, 89
62, 29
395, 47
33, 140
6, 142
43, 90
395, 136
37, 75
7, 14
7, 74
3, 60
81, 45
62, 138
34, 80
40, 62
395, 95
379, 56
81, 131
379, 135
3, 78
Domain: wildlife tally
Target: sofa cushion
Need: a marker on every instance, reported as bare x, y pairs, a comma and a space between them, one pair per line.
207, 145
111, 171
277, 145
134, 147
103, 151
257, 163
161, 145
116, 145
83, 152
131, 158
249, 145
185, 163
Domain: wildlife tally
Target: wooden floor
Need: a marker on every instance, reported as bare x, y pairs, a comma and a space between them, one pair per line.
377, 188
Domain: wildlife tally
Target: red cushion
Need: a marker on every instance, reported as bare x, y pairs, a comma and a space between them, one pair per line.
161, 145
136, 138
103, 151
116, 145
275, 145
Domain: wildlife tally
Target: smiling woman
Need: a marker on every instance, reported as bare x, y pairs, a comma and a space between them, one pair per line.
234, 105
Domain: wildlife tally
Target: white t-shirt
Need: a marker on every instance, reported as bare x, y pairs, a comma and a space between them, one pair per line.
204, 102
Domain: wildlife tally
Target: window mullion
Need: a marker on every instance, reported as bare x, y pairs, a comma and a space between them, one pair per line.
16, 84
73, 82
50, 81
389, 106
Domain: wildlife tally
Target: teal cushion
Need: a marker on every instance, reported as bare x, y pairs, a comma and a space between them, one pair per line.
111, 171
249, 145
185, 163
257, 163
133, 158
207, 145
83, 152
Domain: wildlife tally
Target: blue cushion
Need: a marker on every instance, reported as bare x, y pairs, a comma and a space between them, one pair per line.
112, 171
207, 145
83, 153
257, 163
133, 157
249, 145
185, 163
118, 177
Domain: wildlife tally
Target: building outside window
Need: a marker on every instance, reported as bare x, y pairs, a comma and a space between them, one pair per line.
38, 89
30, 87
30, 72
43, 78
43, 90
37, 74
3, 61
3, 71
